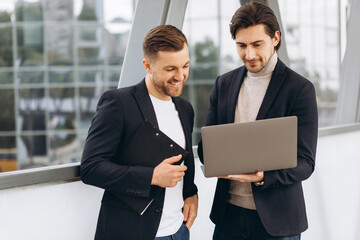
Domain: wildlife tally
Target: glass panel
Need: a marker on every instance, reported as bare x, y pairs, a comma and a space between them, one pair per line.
197, 10
228, 53
186, 91
332, 10
114, 77
91, 76
32, 152
7, 106
191, 28
6, 78
7, 146
117, 19
312, 39
31, 77
30, 44
6, 48
6, 9
116, 40
59, 10
207, 71
118, 11
88, 10
72, 32
319, 17
204, 51
32, 109
90, 45
89, 56
90, 34
63, 148
82, 140
202, 94
332, 37
8, 154
59, 41
61, 76
62, 108
89, 98
205, 65
228, 9
29, 11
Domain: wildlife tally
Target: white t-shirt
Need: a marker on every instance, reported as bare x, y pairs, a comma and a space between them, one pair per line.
169, 123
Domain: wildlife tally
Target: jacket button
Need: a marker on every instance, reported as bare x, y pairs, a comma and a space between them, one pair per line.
158, 210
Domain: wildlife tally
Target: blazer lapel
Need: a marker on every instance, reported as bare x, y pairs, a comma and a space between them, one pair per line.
234, 93
276, 81
144, 102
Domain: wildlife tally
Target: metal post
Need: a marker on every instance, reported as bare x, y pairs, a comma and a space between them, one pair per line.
348, 100
148, 14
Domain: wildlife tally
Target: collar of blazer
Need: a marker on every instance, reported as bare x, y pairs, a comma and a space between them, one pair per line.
276, 81
143, 100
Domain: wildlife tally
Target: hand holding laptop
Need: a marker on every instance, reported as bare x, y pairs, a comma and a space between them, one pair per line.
248, 177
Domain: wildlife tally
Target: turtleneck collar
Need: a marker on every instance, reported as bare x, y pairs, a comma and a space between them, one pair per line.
268, 69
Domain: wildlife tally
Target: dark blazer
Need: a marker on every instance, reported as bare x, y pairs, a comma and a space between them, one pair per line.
120, 112
280, 201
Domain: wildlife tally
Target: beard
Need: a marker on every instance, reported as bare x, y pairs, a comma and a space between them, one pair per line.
166, 88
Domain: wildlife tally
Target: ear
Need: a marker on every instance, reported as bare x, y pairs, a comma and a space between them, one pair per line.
147, 65
276, 38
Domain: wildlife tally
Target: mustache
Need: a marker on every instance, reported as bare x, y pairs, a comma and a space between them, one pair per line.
252, 60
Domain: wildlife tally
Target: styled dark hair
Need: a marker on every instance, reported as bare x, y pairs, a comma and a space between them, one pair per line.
163, 38
254, 13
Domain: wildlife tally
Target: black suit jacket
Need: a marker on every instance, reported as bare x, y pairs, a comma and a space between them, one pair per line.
279, 202
120, 112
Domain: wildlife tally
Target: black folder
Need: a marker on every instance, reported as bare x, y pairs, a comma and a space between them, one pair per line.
148, 147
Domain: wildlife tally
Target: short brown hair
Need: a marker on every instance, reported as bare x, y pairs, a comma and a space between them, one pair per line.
254, 13
163, 38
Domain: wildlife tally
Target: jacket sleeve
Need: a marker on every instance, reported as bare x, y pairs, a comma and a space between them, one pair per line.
190, 188
101, 147
305, 108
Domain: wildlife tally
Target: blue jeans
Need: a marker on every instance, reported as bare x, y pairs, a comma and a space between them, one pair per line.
244, 224
182, 234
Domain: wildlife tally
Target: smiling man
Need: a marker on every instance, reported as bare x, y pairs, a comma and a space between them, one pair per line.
262, 205
120, 113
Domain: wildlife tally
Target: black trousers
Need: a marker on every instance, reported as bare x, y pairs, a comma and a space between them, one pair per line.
243, 224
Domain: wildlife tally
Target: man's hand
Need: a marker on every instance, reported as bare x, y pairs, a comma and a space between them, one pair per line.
190, 210
249, 177
167, 175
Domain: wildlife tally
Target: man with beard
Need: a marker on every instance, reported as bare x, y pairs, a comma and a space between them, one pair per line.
262, 205
120, 113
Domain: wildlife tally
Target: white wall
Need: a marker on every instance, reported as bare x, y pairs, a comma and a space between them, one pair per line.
68, 210
332, 194
56, 211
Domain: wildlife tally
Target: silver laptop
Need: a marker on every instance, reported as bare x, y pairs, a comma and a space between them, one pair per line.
248, 147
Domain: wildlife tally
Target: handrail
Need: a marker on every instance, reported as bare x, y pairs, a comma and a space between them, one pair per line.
20, 178
339, 129
71, 171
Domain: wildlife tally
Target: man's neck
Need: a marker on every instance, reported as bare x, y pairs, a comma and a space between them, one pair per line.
153, 91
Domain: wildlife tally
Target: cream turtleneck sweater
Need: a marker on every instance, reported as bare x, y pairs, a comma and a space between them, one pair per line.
251, 95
